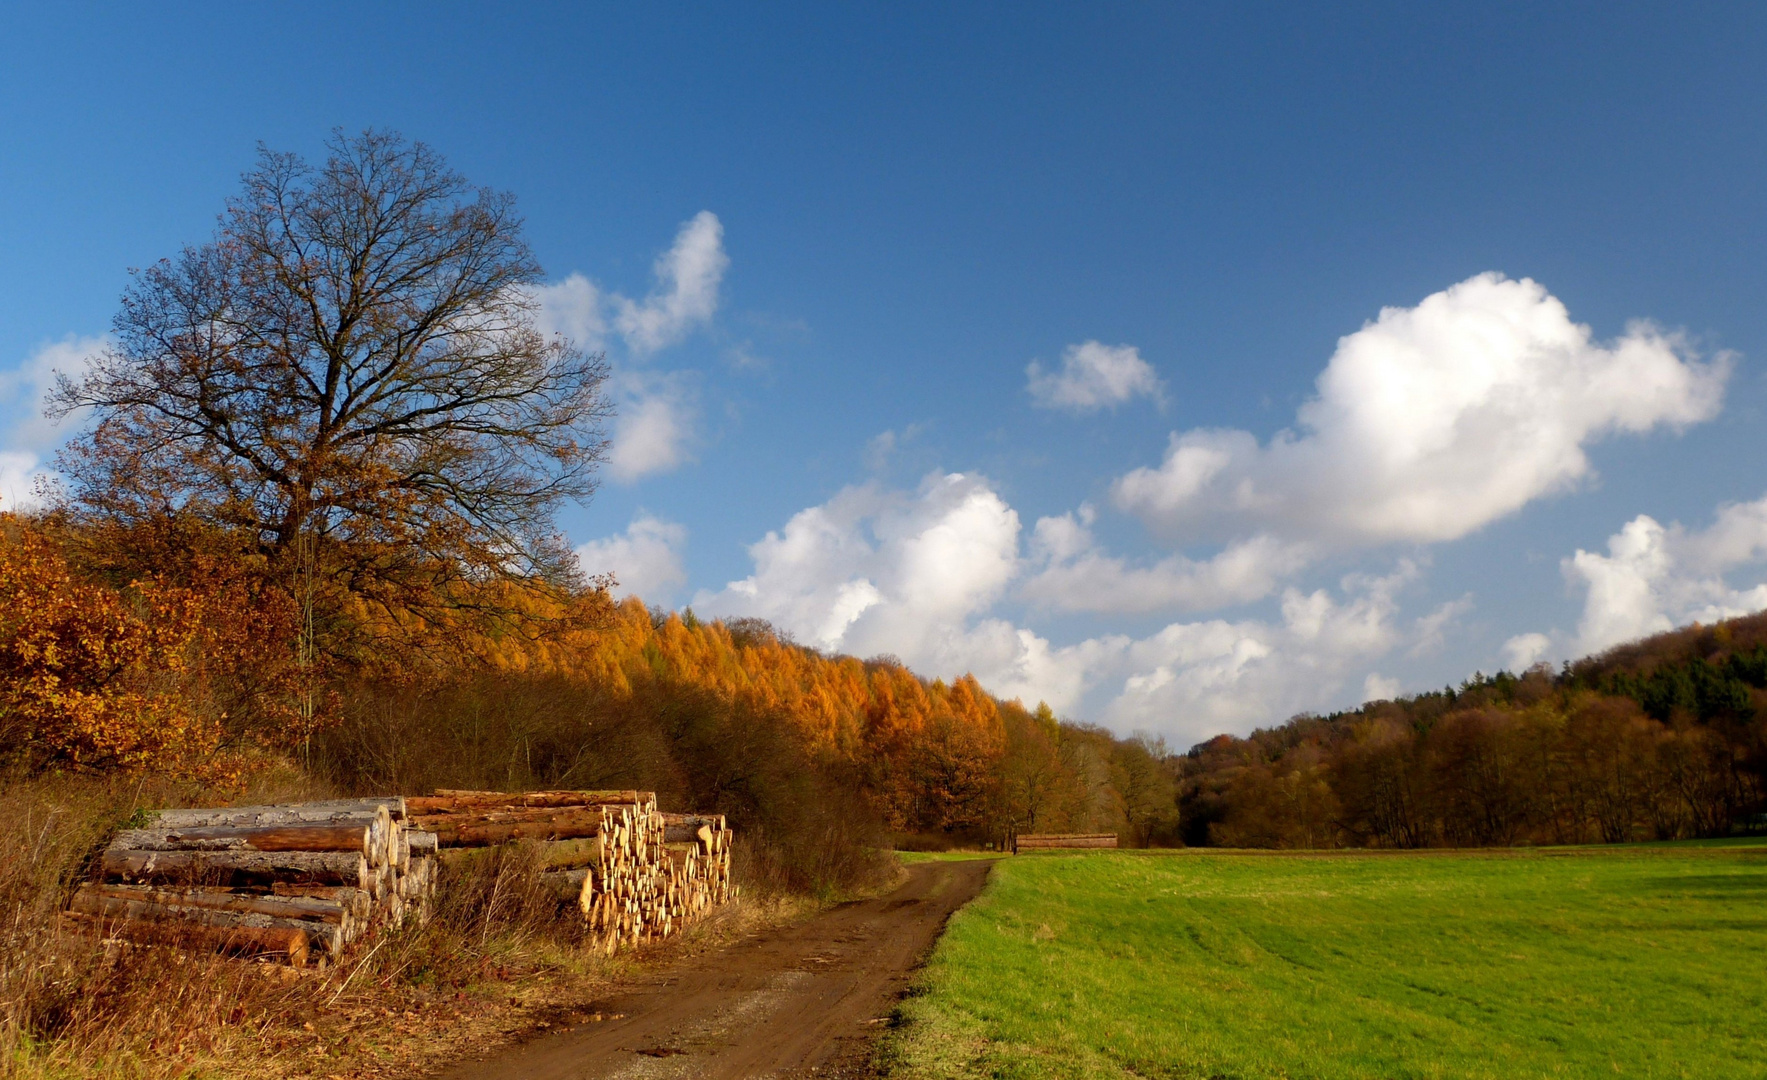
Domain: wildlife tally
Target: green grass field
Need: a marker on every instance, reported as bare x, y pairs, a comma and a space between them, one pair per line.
1642, 961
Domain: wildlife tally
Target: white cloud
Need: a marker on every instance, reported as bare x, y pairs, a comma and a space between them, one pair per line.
28, 386
572, 309
1076, 575
1431, 422
879, 449
1093, 376
688, 276
1378, 687
918, 574
1523, 651
654, 426
29, 435
655, 418
18, 480
1429, 631
878, 571
645, 559
1655, 578
1194, 680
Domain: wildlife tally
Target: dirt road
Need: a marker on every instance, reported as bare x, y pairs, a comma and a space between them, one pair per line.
806, 1001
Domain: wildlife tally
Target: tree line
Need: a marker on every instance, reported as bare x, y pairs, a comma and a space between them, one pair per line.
1660, 739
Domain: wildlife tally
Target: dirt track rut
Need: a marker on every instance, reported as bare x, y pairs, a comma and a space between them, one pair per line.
809, 1000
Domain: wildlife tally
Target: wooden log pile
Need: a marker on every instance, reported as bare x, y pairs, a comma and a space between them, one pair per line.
1062, 841
296, 882
635, 874
696, 868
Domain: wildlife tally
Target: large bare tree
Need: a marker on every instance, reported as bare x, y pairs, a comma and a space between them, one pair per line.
350, 376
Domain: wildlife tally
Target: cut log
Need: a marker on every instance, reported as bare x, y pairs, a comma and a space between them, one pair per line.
101, 899
237, 867
418, 884
339, 811
567, 885
358, 902
569, 854
290, 944
295, 837
1055, 841
449, 801
680, 834
484, 829
328, 935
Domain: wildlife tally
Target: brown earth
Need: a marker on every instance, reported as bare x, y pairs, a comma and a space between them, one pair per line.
807, 1000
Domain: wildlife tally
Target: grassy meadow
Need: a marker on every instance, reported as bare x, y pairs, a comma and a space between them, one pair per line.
1634, 961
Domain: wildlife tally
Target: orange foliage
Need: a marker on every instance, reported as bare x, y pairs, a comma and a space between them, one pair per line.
91, 677
928, 751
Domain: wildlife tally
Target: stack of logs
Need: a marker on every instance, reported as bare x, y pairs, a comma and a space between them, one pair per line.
636, 874
296, 882
1059, 841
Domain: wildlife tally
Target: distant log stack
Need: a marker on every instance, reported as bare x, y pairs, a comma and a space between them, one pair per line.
635, 874
1063, 841
297, 882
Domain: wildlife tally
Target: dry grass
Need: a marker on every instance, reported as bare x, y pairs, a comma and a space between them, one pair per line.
499, 961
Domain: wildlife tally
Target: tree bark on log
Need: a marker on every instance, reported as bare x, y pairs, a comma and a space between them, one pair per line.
570, 854
238, 867
99, 898
447, 800
338, 811
567, 885
329, 935
304, 837
284, 943
479, 830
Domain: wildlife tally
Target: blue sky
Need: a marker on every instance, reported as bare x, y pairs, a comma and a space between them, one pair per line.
823, 245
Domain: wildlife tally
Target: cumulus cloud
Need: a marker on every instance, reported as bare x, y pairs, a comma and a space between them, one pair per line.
26, 435
1431, 422
1093, 376
28, 385
873, 570
645, 559
686, 295
1378, 687
688, 276
655, 419
1523, 651
18, 480
1654, 578
653, 427
572, 309
919, 574
1074, 574
1197, 679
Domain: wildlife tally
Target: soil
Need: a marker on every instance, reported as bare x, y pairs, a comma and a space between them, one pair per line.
806, 1000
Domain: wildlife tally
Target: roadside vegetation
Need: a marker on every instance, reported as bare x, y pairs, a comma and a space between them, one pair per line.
1636, 960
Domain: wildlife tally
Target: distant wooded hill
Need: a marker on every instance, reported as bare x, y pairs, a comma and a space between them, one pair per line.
1659, 739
